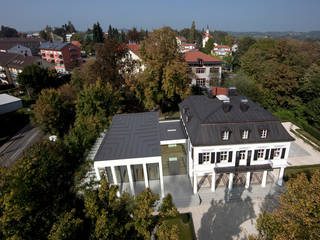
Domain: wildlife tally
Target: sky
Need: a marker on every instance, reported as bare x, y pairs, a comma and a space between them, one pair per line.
225, 15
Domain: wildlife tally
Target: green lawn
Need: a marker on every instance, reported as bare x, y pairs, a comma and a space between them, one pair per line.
292, 172
185, 225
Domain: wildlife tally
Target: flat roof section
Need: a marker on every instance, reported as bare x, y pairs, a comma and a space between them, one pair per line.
171, 130
9, 103
133, 135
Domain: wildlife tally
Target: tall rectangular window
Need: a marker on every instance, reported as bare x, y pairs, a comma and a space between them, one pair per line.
205, 158
242, 155
201, 82
276, 153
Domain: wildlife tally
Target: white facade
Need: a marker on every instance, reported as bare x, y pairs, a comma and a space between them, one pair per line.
139, 66
221, 50
19, 49
204, 75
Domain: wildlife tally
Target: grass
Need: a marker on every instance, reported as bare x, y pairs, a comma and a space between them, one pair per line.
292, 172
170, 115
185, 226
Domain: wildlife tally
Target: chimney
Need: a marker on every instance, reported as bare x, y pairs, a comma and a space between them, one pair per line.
232, 91
226, 106
244, 105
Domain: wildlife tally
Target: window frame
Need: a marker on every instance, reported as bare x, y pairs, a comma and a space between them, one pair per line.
242, 153
201, 82
277, 153
245, 134
224, 156
206, 157
264, 133
200, 70
225, 135
261, 152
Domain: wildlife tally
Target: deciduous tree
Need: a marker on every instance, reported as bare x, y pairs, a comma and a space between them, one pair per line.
298, 215
164, 82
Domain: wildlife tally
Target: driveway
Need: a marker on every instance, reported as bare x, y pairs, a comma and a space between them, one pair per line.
13, 149
301, 153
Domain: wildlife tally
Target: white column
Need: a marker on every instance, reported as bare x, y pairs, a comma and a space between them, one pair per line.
264, 179
248, 180
114, 177
96, 169
213, 181
145, 174
161, 178
230, 181
130, 180
281, 176
195, 183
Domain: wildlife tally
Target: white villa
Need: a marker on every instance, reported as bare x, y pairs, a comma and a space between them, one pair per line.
219, 141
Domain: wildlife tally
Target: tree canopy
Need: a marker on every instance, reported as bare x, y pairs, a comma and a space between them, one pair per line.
8, 32
165, 81
298, 214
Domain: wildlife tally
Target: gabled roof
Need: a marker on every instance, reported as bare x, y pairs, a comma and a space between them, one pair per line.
207, 120
182, 38
194, 56
135, 48
57, 46
17, 61
76, 43
7, 45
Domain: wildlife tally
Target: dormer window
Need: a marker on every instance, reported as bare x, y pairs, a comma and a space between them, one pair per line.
244, 134
225, 135
264, 133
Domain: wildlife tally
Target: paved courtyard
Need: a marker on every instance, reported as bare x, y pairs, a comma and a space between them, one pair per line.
231, 214
301, 153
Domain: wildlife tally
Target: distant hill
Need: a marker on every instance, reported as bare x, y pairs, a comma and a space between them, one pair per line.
309, 36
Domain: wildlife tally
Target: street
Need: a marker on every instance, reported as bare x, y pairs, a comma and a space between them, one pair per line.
13, 149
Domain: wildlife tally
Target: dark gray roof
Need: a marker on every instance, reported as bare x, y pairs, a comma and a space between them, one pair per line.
131, 136
53, 45
208, 121
171, 130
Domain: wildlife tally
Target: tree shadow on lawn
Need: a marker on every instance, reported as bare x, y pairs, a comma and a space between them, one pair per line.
224, 217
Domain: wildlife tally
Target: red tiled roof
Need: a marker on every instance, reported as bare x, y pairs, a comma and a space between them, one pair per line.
219, 91
182, 38
76, 43
194, 56
134, 48
221, 46
188, 44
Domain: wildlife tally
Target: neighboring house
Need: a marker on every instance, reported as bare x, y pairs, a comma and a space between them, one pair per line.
223, 140
221, 50
69, 36
64, 55
31, 43
205, 69
14, 48
181, 40
206, 37
76, 43
134, 52
234, 47
185, 47
9, 103
11, 64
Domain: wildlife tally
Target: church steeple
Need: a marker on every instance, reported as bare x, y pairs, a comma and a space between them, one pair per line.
207, 31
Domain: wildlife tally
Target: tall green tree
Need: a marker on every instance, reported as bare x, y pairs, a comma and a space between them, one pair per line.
298, 214
167, 208
164, 82
192, 33
97, 33
209, 46
8, 32
133, 35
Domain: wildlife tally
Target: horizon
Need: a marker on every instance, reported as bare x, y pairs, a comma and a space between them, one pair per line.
229, 16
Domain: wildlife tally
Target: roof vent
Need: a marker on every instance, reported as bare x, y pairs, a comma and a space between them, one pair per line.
244, 105
232, 91
226, 106
185, 110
